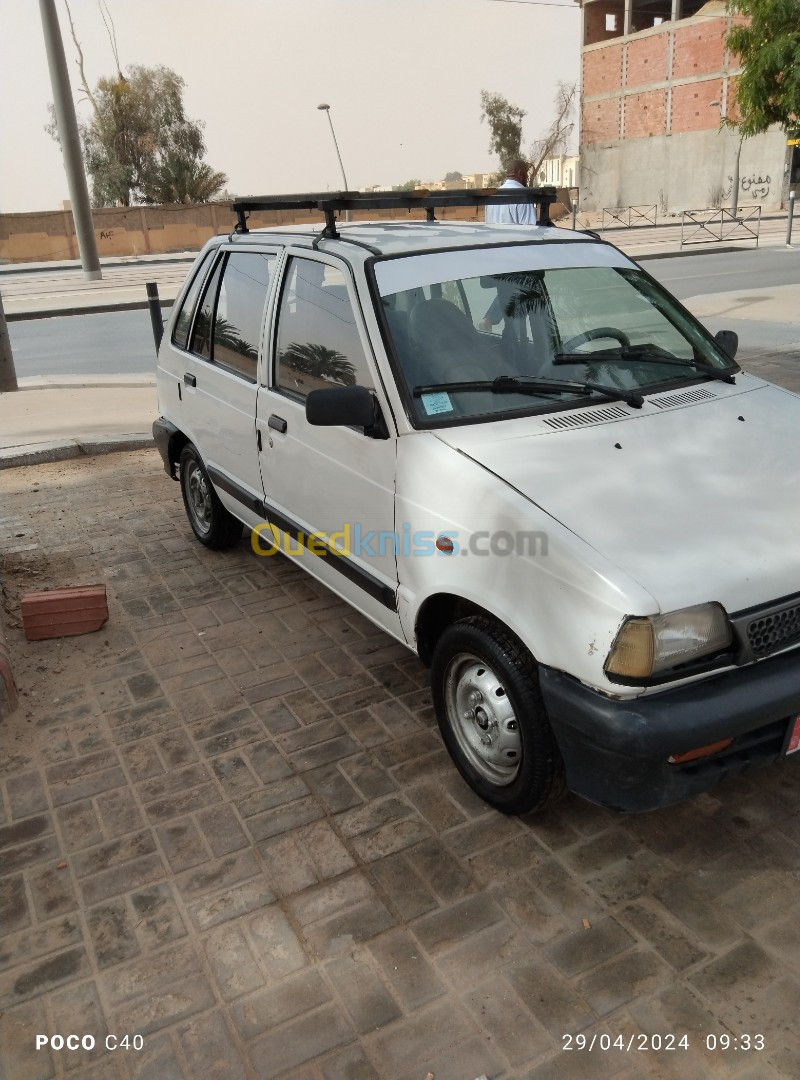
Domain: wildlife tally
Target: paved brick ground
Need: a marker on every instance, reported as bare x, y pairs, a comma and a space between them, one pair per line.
228, 825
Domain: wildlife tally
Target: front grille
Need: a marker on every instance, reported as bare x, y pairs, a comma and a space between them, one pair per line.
769, 633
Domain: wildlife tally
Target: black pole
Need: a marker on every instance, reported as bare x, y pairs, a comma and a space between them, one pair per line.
156, 317
789, 218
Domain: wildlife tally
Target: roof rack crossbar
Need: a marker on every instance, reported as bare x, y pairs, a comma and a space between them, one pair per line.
331, 202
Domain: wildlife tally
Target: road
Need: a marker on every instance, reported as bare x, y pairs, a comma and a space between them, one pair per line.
122, 342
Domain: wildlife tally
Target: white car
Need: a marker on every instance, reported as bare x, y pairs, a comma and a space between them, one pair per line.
516, 453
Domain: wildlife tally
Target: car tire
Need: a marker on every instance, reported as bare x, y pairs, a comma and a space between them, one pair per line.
492, 716
211, 523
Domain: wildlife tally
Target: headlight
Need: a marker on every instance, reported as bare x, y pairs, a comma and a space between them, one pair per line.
654, 644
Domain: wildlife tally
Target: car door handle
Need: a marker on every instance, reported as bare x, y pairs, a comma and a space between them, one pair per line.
278, 423
189, 379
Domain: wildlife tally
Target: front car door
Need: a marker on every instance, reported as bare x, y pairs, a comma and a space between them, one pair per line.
331, 486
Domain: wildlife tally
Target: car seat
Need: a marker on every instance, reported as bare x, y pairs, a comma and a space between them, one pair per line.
446, 346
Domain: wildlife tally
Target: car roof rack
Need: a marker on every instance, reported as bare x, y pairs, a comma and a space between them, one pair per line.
330, 202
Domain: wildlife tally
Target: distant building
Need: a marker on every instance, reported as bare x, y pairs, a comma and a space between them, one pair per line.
468, 180
656, 80
561, 171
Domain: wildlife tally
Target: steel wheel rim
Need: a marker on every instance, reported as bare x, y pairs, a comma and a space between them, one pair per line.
198, 496
482, 719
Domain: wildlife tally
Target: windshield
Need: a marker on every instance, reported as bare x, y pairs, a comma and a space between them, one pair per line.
609, 326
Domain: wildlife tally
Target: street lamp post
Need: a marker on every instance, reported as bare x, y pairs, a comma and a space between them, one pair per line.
735, 179
327, 110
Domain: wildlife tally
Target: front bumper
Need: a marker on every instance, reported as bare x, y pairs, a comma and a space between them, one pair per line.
616, 752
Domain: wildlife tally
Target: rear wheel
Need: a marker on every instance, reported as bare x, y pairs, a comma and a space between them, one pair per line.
492, 716
211, 523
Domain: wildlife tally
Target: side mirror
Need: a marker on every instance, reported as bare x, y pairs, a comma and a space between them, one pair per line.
346, 406
728, 341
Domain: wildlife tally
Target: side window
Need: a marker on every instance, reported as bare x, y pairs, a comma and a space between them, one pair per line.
227, 330
318, 343
180, 335
240, 310
201, 338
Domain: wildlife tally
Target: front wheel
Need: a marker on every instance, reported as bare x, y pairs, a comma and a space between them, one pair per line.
492, 716
211, 523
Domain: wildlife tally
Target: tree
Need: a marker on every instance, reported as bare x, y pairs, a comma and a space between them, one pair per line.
454, 176
505, 125
768, 90
409, 185
319, 361
556, 139
139, 145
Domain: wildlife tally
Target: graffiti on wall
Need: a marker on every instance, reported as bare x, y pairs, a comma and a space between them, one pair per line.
757, 187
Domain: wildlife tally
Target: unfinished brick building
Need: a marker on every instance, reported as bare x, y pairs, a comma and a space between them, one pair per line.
656, 80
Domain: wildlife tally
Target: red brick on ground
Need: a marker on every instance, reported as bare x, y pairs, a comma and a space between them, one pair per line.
78, 609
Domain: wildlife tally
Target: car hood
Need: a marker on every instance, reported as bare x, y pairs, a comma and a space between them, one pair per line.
696, 502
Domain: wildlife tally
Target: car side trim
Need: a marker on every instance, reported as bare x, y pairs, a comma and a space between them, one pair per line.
371, 585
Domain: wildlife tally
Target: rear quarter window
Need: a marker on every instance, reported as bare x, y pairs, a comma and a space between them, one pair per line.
180, 335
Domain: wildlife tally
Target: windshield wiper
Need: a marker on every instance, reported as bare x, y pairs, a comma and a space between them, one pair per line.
527, 384
649, 353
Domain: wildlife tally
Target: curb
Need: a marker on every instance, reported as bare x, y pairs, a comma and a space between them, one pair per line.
88, 309
14, 457
84, 382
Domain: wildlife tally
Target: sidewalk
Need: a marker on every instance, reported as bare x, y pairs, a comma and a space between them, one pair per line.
54, 419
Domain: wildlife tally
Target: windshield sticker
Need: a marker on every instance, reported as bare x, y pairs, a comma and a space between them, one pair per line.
437, 403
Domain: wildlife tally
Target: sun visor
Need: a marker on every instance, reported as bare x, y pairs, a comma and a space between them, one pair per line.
415, 271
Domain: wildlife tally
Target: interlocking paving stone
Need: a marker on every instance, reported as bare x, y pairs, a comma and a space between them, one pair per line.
582, 949
14, 911
404, 966
27, 794
231, 903
30, 979
18, 1030
281, 1001
39, 941
52, 890
300, 1041
239, 835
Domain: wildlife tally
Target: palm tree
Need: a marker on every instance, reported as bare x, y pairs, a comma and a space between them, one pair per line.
320, 361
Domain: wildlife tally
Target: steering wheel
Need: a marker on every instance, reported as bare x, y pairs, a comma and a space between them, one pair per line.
593, 335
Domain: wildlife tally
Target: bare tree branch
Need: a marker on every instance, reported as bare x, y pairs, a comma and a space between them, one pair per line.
84, 80
556, 139
111, 31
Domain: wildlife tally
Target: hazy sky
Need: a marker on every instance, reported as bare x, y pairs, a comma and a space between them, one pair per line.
402, 77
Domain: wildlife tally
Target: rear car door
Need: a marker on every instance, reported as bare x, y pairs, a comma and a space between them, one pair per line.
334, 482
220, 374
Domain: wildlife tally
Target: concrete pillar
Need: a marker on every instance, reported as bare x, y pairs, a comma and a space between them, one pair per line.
145, 230
70, 141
